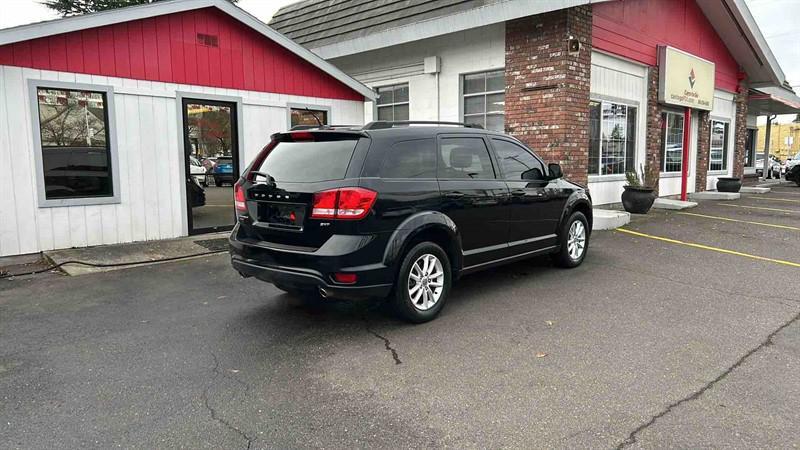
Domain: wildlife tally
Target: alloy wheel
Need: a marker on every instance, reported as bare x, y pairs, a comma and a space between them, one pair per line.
576, 240
425, 282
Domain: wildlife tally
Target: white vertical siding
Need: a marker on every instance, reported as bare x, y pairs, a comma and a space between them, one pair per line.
615, 79
151, 166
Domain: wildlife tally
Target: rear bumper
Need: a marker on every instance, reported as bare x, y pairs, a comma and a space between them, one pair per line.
312, 270
297, 279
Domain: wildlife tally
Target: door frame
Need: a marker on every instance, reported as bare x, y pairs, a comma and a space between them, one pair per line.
238, 144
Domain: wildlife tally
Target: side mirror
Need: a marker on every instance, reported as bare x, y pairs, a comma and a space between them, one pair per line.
555, 171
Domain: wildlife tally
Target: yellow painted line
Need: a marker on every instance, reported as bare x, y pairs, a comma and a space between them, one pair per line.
769, 199
761, 208
710, 248
728, 219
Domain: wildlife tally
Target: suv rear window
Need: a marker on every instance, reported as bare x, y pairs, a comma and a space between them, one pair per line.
309, 161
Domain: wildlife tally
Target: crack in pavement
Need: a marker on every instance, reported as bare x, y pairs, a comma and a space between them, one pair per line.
632, 437
386, 343
213, 412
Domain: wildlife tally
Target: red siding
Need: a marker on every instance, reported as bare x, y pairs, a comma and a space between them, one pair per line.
166, 49
635, 28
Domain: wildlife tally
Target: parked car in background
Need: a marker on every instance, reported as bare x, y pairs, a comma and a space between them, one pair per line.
223, 171
401, 211
197, 195
197, 171
775, 167
793, 169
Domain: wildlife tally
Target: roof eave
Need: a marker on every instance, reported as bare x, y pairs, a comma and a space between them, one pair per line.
77, 23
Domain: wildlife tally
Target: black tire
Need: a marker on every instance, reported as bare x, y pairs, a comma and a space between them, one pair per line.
402, 301
217, 182
562, 257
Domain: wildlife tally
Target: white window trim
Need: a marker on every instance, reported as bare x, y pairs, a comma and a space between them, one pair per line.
462, 95
392, 105
598, 178
291, 106
726, 157
43, 201
662, 172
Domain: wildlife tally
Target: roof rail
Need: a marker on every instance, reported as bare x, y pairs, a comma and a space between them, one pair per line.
323, 127
383, 124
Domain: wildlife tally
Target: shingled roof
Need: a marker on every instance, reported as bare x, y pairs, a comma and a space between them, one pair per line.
314, 23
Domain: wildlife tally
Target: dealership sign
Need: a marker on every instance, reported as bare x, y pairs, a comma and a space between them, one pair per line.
685, 79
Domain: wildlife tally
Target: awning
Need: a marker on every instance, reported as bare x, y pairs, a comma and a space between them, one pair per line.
772, 100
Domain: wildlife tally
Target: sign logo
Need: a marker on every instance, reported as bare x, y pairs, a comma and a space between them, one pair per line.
692, 78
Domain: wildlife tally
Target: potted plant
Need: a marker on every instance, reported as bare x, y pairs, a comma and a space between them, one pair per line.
729, 184
638, 197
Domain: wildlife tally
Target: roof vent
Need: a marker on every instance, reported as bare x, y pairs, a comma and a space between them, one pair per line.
209, 40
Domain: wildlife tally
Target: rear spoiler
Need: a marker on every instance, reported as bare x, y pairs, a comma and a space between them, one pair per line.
318, 135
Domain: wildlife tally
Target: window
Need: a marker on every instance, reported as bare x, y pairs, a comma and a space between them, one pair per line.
718, 154
410, 159
75, 145
750, 148
483, 99
516, 162
309, 161
464, 158
393, 102
612, 138
302, 115
672, 148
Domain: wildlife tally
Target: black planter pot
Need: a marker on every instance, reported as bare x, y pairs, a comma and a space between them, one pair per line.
729, 184
638, 199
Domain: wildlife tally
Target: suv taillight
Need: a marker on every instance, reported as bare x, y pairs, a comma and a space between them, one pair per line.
351, 203
238, 198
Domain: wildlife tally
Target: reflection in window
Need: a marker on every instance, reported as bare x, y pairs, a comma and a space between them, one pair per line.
309, 116
74, 138
393, 102
718, 154
750, 148
516, 162
209, 130
672, 148
612, 138
483, 99
464, 158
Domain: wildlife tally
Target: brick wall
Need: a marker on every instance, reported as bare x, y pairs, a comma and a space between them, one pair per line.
655, 131
703, 148
740, 137
547, 87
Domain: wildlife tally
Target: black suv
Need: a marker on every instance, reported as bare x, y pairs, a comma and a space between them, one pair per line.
400, 209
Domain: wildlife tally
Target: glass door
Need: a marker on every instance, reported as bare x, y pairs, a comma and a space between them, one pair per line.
212, 163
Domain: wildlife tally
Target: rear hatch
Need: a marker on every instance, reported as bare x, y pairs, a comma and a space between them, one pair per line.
280, 186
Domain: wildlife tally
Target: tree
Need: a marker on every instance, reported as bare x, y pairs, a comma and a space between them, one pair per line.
77, 7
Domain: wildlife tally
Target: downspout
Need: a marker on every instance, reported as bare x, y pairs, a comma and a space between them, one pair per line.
766, 146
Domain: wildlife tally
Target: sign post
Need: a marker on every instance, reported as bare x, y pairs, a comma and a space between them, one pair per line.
688, 81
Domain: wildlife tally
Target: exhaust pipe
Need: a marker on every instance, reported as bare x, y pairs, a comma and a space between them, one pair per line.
323, 293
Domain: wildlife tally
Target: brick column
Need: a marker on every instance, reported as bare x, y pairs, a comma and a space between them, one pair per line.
547, 86
740, 136
703, 149
655, 131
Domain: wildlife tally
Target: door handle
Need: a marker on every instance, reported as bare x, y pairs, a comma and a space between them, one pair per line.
454, 194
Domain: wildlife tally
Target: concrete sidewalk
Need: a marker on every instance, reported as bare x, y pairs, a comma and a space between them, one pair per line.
117, 256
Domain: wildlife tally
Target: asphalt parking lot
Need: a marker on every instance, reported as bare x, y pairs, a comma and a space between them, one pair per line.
684, 334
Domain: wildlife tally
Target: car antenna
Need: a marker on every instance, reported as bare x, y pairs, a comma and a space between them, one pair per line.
319, 122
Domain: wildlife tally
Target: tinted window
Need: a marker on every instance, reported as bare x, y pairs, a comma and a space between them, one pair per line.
309, 161
74, 137
410, 159
516, 162
464, 158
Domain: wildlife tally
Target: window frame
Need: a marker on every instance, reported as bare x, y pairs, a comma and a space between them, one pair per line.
376, 106
113, 151
312, 107
662, 169
489, 150
726, 147
598, 177
462, 96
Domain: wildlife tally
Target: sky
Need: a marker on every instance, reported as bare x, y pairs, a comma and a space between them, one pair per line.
776, 18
